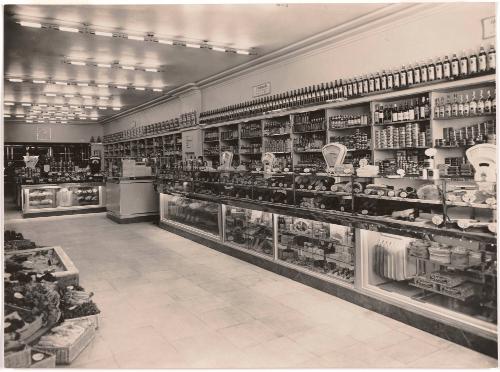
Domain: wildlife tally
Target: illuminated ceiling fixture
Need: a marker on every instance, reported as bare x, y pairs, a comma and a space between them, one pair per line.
6, 115
102, 33
9, 103
68, 29
121, 87
30, 24
93, 118
29, 121
64, 122
106, 65
12, 80
89, 107
104, 98
77, 63
39, 81
82, 84
116, 108
102, 108
150, 70
86, 97
140, 88
40, 121
145, 38
69, 95
26, 104
60, 83
102, 86
50, 94
128, 67
19, 116
157, 90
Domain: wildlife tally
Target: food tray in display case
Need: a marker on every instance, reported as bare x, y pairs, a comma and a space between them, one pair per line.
249, 229
319, 247
62, 198
198, 215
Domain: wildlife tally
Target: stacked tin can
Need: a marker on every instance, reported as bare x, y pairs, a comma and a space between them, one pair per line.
467, 136
401, 137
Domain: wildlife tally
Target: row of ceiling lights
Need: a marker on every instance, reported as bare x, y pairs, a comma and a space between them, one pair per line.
39, 106
82, 84
149, 37
115, 65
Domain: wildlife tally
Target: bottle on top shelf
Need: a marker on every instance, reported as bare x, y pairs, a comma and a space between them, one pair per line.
457, 106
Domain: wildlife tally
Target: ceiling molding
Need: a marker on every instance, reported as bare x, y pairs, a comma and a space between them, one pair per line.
374, 22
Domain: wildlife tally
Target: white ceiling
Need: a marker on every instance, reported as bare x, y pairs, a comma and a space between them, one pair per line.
40, 53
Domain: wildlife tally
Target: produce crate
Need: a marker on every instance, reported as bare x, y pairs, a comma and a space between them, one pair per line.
30, 328
49, 360
92, 318
18, 359
65, 355
68, 276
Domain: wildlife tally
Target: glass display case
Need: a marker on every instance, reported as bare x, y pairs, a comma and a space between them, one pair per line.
198, 215
249, 229
450, 276
61, 198
317, 246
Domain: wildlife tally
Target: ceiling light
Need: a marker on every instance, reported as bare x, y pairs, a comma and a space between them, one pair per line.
29, 121
78, 63
50, 94
168, 42
246, 52
140, 88
157, 90
40, 121
64, 122
61, 83
116, 108
104, 98
25, 104
103, 65
191, 45
59, 106
42, 105
68, 29
82, 84
74, 107
217, 49
93, 118
151, 70
16, 80
102, 86
101, 33
52, 121
102, 108
121, 87
86, 97
88, 107
128, 67
132, 37
69, 95
30, 24
19, 116
39, 81
9, 103
6, 115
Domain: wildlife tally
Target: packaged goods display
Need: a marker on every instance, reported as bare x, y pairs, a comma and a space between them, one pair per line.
434, 71
319, 247
437, 271
348, 121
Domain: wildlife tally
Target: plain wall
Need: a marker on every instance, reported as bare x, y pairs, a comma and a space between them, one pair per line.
447, 29
24, 133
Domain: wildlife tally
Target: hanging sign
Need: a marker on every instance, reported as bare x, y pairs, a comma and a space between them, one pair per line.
262, 89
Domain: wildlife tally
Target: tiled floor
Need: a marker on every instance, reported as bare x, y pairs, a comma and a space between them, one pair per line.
169, 302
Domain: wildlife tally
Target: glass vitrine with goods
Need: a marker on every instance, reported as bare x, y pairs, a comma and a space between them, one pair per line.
249, 229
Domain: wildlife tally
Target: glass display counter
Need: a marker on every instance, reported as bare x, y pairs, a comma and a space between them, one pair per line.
38, 200
196, 215
425, 246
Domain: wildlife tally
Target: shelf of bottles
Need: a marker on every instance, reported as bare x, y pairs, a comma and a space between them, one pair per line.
434, 71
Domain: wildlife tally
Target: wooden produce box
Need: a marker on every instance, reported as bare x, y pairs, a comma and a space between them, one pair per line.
18, 359
68, 275
65, 355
